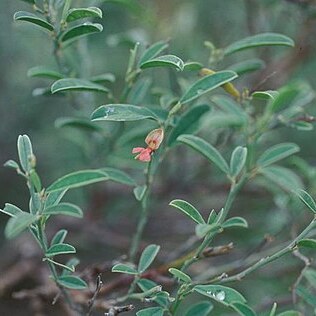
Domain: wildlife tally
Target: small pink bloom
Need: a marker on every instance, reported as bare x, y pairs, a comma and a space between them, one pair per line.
153, 140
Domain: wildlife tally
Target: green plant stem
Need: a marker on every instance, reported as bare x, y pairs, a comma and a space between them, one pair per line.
235, 188
264, 261
143, 216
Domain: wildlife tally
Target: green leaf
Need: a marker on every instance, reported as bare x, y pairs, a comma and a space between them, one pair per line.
44, 72
238, 160
153, 51
119, 176
151, 311
243, 309
224, 295
77, 122
103, 78
276, 153
189, 210
122, 113
207, 84
11, 164
206, 149
72, 282
59, 237
148, 285
73, 84
307, 200
284, 99
81, 13
307, 243
25, 152
180, 275
283, 177
229, 106
11, 210
71, 264
64, 209
263, 39
247, 66
55, 197
202, 230
200, 309
187, 122
164, 61
81, 30
302, 126
60, 249
306, 295
147, 257
139, 91
32, 18
265, 95
18, 224
192, 66
78, 179
124, 268
235, 221
35, 180
139, 192
310, 276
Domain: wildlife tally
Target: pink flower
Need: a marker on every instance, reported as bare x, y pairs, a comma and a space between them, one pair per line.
153, 140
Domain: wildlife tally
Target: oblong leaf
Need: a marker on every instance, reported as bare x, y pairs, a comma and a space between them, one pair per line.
18, 224
73, 84
224, 295
187, 122
44, 72
263, 39
77, 122
276, 153
59, 237
207, 84
32, 18
60, 249
119, 176
151, 311
202, 230
54, 197
11, 210
206, 149
153, 51
238, 160
106, 77
307, 200
122, 113
64, 209
189, 210
283, 177
124, 268
72, 282
235, 221
81, 30
180, 275
25, 152
243, 309
78, 179
81, 13
265, 95
164, 61
147, 257
307, 243
200, 309
247, 66
11, 164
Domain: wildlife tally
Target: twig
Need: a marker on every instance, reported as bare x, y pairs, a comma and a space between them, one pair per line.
119, 309
95, 294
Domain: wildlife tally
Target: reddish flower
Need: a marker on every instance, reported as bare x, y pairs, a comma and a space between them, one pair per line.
153, 140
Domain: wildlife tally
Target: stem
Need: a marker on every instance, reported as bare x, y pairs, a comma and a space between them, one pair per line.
235, 188
143, 216
263, 261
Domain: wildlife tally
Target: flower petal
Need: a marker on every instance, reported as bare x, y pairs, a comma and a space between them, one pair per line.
137, 150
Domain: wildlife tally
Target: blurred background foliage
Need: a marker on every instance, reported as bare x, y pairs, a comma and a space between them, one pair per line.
110, 210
